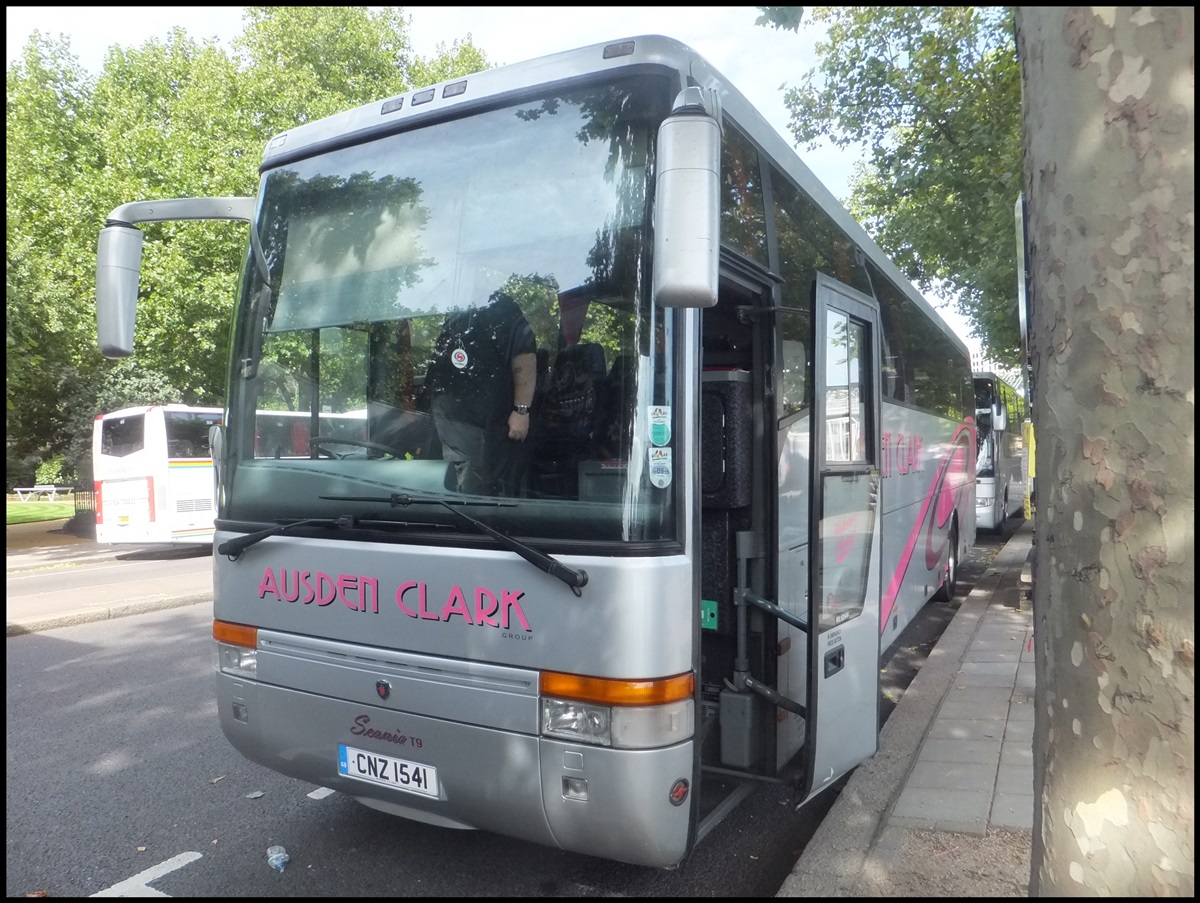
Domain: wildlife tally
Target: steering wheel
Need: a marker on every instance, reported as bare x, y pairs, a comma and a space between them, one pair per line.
317, 442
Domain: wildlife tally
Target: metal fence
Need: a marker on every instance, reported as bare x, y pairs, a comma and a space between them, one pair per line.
84, 521
85, 500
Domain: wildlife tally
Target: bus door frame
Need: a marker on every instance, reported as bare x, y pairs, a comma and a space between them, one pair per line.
844, 536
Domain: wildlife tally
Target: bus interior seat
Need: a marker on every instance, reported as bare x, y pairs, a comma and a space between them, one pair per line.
615, 396
405, 432
564, 431
726, 467
726, 420
725, 340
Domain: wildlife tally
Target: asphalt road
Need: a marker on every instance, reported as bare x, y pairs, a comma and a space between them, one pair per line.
117, 773
118, 777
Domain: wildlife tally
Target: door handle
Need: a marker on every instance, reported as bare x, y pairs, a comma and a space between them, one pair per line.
835, 661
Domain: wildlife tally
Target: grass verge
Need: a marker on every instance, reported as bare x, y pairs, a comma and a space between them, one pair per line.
35, 512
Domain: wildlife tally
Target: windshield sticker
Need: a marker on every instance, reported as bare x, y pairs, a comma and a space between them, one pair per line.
660, 467
477, 606
660, 424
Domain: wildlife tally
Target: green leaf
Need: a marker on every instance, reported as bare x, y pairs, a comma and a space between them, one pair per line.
932, 96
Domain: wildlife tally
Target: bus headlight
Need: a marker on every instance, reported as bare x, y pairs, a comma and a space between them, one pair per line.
627, 714
237, 648
237, 660
578, 721
623, 727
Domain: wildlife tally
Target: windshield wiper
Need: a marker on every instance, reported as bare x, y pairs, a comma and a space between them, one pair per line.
234, 547
576, 579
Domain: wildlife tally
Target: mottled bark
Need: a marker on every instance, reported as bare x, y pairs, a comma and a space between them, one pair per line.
1109, 121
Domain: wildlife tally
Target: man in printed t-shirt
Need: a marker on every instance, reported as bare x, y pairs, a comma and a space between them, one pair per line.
482, 374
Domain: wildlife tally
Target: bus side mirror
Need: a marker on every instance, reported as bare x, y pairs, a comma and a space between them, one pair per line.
687, 202
1000, 417
119, 259
216, 447
118, 271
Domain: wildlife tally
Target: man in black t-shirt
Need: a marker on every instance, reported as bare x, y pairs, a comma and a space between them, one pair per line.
482, 374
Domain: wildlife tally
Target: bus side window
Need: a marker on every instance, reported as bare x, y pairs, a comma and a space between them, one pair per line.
793, 369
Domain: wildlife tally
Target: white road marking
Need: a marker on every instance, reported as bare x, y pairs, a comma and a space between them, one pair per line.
321, 792
138, 885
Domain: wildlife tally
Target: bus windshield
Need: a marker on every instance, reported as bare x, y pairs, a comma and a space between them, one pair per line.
439, 322
985, 464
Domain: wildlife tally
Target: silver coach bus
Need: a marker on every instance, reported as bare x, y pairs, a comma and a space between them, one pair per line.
745, 460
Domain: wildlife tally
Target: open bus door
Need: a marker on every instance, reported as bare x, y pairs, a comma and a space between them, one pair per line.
818, 668
844, 581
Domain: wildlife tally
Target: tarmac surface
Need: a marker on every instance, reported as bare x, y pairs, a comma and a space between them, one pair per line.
944, 808
47, 547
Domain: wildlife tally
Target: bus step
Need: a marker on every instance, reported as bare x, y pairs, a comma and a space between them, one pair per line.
720, 794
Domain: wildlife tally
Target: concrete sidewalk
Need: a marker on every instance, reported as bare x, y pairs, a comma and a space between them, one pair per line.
945, 807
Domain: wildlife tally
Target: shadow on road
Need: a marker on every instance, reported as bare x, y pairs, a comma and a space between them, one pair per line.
908, 653
165, 553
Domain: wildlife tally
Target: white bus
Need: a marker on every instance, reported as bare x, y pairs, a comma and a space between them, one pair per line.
153, 467
742, 467
153, 474
1000, 451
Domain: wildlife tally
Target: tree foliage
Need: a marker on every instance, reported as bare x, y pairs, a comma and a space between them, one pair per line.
47, 101
785, 17
933, 94
170, 118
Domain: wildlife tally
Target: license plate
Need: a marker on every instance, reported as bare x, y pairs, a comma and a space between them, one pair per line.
388, 771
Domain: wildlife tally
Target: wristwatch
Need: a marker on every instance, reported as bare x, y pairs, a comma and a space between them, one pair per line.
521, 408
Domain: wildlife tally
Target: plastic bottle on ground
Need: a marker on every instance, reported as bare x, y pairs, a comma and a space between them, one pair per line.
277, 858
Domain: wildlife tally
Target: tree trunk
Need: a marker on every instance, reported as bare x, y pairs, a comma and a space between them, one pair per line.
1109, 122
